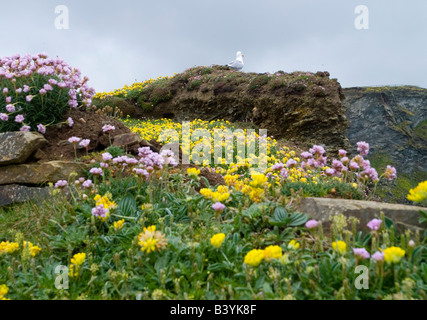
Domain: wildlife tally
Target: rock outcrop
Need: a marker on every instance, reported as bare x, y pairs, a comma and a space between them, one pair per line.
11, 194
38, 173
322, 209
394, 121
301, 106
17, 147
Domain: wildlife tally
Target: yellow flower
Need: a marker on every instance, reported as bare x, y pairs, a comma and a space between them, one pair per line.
393, 254
293, 245
254, 257
118, 224
3, 291
76, 262
418, 194
273, 252
149, 245
78, 259
259, 181
8, 247
34, 250
217, 240
193, 173
340, 246
105, 200
152, 240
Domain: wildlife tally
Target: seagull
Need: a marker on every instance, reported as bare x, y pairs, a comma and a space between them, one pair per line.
238, 63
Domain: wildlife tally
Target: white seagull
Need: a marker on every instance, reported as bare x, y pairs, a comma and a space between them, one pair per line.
238, 63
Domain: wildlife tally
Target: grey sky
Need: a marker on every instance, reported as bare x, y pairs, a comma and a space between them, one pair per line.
118, 42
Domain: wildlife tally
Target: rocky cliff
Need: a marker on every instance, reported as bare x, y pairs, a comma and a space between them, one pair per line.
394, 121
300, 106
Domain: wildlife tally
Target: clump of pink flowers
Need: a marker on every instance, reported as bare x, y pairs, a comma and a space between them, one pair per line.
33, 83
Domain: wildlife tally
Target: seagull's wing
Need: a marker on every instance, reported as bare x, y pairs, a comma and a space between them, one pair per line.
236, 64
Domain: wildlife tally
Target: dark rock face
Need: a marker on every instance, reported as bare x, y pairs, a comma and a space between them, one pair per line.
301, 106
16, 194
17, 147
393, 120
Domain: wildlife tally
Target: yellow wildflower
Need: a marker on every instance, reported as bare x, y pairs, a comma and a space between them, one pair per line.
339, 246
259, 181
217, 240
118, 224
393, 254
34, 250
293, 245
273, 252
78, 259
152, 240
8, 247
419, 193
254, 257
3, 291
193, 173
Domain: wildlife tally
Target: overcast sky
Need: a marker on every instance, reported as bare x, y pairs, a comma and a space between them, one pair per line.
118, 42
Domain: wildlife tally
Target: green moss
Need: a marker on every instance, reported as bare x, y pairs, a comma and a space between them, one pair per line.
380, 161
192, 85
259, 81
421, 130
398, 191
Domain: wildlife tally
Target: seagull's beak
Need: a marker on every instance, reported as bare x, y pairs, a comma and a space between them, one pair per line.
243, 55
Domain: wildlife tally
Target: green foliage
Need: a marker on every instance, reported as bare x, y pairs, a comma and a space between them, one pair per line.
259, 81
43, 109
421, 129
323, 189
144, 103
194, 84
115, 151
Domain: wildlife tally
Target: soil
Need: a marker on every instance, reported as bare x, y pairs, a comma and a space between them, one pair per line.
87, 125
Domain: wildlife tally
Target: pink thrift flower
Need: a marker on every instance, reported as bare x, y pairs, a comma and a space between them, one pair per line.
278, 166
4, 117
29, 98
107, 156
330, 172
74, 140
25, 129
108, 128
219, 207
87, 184
96, 171
84, 143
374, 224
10, 108
61, 184
361, 253
363, 148
284, 173
5, 90
291, 163
378, 256
42, 91
19, 118
8, 99
390, 173
306, 155
100, 211
318, 150
41, 128
342, 153
70, 122
311, 224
